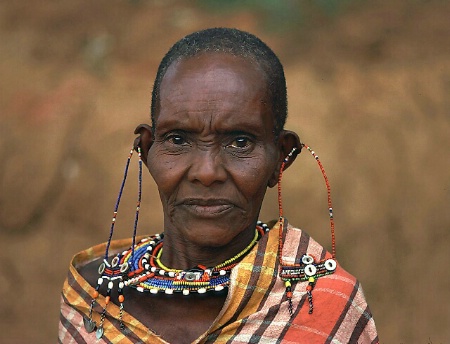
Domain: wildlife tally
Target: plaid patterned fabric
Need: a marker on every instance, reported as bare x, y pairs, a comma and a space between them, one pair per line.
256, 310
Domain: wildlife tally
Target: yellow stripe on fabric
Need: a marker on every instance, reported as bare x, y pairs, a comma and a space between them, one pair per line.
72, 296
265, 276
240, 282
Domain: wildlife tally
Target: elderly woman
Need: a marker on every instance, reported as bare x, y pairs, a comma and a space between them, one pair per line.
215, 273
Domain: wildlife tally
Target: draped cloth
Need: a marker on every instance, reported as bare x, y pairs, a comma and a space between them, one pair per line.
256, 308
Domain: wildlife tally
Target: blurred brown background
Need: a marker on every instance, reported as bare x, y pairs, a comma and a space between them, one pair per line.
369, 90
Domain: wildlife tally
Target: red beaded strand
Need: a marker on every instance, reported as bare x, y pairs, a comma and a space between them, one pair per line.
280, 204
330, 206
308, 269
280, 230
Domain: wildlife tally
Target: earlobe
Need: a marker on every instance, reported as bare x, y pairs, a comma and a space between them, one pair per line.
289, 146
144, 140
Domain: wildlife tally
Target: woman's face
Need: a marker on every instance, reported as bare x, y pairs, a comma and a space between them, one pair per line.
213, 152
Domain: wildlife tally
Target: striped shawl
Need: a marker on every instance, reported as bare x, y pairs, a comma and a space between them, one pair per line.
256, 309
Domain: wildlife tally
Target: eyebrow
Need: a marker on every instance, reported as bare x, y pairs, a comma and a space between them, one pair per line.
224, 125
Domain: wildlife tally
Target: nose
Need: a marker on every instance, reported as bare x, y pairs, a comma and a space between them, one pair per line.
207, 168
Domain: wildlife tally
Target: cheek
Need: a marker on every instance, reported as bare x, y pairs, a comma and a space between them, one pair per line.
253, 180
165, 172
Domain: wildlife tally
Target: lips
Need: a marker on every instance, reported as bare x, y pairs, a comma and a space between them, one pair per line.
207, 207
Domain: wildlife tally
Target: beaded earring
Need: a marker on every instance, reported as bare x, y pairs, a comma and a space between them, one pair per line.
106, 270
307, 269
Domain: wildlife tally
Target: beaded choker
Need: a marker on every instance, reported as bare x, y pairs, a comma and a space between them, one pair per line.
140, 268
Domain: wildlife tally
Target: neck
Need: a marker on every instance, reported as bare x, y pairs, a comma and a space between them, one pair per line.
181, 254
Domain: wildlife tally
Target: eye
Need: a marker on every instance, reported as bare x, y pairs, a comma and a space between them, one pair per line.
176, 139
240, 142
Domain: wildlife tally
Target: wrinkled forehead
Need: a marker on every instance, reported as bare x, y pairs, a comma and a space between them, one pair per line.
212, 62
212, 68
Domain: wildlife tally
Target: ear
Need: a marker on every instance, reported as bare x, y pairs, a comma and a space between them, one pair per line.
287, 141
144, 140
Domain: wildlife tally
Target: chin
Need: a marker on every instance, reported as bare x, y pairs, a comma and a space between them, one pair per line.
217, 237
214, 231
210, 233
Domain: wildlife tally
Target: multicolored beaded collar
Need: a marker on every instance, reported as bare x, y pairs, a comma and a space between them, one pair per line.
139, 267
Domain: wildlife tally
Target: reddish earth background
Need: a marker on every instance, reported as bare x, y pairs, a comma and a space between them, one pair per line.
369, 89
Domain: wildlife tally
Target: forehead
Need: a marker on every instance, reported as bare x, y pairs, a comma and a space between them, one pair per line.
214, 83
208, 67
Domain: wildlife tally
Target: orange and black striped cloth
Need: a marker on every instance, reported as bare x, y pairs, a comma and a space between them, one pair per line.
256, 309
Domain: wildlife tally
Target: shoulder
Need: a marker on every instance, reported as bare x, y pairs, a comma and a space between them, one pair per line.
89, 271
335, 285
297, 242
340, 307
85, 264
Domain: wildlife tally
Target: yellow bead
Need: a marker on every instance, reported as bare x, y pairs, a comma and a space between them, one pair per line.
311, 279
287, 283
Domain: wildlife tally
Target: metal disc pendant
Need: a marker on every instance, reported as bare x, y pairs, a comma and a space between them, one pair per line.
189, 276
330, 265
307, 259
89, 325
310, 270
99, 333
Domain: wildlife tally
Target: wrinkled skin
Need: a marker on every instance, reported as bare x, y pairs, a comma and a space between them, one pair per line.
212, 155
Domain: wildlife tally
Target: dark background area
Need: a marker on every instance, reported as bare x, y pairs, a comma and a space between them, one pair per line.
369, 90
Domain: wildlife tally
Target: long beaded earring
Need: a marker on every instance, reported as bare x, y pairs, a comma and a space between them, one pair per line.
307, 269
107, 270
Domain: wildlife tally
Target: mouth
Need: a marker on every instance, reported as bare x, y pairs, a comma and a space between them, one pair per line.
207, 207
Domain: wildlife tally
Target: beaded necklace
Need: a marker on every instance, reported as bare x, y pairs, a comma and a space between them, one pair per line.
140, 268
226, 265
148, 274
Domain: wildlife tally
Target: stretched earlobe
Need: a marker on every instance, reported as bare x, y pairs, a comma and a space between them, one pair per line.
144, 140
289, 146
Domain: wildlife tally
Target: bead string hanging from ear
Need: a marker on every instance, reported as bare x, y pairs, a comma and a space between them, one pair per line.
281, 225
307, 269
105, 267
330, 206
